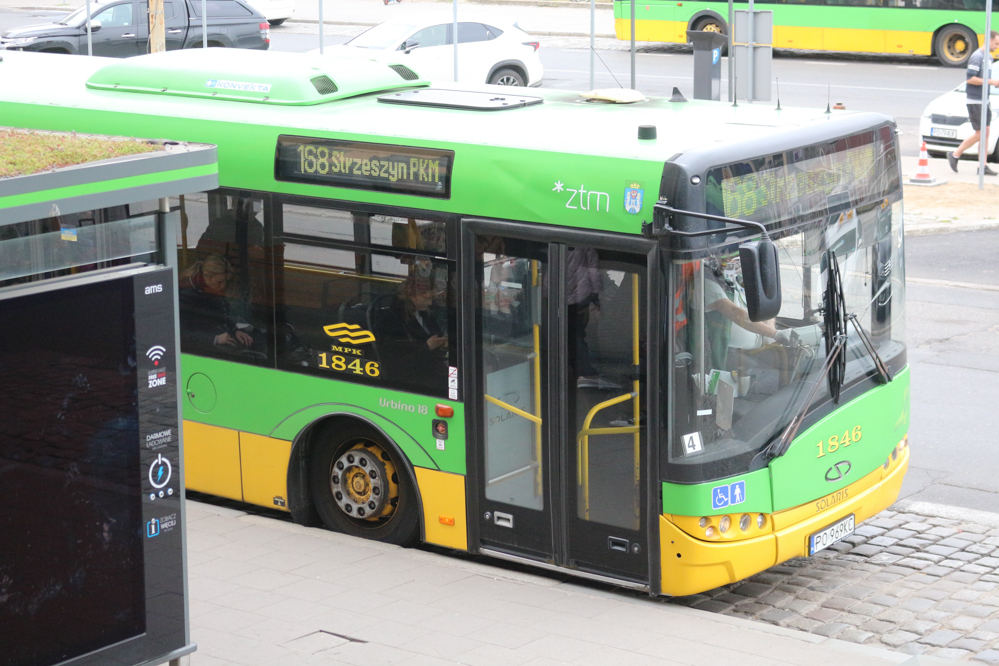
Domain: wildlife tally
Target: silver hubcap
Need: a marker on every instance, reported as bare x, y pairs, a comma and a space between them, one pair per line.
508, 81
359, 484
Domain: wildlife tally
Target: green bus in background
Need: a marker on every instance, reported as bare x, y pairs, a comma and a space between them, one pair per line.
951, 30
523, 326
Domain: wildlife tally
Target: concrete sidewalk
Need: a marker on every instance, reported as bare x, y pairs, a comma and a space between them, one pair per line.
955, 205
269, 592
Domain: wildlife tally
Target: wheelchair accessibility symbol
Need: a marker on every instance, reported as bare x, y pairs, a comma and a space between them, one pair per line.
730, 495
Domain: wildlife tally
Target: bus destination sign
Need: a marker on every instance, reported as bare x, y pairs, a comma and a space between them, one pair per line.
423, 172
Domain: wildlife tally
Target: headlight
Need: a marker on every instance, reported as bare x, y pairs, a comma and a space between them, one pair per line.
19, 41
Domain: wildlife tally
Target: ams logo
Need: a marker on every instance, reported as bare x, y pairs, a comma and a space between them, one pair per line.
350, 334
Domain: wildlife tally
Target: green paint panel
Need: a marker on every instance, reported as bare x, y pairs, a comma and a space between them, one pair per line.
800, 475
106, 186
286, 402
695, 500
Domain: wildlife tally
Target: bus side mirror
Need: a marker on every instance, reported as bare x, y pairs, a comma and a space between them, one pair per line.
761, 278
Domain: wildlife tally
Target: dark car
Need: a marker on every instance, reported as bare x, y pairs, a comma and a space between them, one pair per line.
120, 28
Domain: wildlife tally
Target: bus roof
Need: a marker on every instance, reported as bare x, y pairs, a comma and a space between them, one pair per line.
164, 96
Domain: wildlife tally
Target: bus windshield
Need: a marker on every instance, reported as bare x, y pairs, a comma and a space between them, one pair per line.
737, 384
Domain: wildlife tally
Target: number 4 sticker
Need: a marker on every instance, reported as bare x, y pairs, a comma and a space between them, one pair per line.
692, 444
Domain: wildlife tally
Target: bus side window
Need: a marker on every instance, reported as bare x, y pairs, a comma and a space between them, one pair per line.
224, 285
356, 305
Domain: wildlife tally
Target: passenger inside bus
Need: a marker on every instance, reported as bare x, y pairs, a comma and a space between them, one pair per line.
207, 312
411, 340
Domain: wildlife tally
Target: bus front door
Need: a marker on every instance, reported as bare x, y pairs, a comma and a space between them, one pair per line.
559, 390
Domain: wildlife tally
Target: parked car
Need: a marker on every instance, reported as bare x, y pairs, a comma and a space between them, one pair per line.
120, 28
488, 51
275, 11
945, 124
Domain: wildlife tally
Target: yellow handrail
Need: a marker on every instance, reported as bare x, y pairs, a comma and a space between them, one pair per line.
518, 412
636, 403
583, 448
537, 408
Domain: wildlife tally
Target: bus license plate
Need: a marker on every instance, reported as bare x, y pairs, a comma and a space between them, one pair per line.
943, 133
830, 535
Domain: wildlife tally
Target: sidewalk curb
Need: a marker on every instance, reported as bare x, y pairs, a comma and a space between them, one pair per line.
932, 510
929, 228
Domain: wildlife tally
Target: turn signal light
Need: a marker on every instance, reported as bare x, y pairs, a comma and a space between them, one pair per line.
444, 411
446, 520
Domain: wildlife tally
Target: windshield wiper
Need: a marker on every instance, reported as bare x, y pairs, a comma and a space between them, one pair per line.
878, 362
835, 364
779, 447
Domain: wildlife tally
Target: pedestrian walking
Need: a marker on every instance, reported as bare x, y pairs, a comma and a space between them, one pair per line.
973, 88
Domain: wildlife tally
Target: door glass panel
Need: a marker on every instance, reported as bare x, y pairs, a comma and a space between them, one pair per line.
512, 361
606, 323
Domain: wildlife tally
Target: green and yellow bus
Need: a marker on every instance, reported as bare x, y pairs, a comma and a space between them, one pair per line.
523, 326
951, 30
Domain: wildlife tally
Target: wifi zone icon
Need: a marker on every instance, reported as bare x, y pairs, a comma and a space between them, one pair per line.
155, 353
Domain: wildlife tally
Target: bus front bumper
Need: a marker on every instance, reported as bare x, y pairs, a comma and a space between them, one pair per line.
690, 565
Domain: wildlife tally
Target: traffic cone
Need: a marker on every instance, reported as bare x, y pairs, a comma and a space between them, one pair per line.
923, 176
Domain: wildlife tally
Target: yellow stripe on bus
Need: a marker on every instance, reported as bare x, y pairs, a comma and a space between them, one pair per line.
848, 40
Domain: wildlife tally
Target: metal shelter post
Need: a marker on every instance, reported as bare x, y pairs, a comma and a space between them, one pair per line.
90, 42
633, 87
983, 141
321, 38
204, 23
593, 30
454, 30
731, 53
749, 51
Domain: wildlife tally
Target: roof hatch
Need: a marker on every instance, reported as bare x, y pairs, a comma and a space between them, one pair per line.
469, 100
253, 76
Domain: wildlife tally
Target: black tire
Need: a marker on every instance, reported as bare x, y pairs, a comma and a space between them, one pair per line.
397, 520
713, 24
506, 77
277, 21
954, 45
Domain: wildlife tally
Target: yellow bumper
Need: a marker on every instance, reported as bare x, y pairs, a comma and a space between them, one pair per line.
690, 565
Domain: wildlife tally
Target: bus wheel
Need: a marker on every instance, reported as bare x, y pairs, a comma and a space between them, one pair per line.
360, 488
712, 24
955, 44
506, 77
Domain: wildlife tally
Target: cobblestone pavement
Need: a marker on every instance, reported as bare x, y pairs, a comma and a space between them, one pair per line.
909, 582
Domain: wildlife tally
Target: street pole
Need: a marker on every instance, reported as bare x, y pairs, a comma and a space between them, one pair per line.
204, 24
633, 45
321, 39
983, 141
593, 30
749, 53
731, 53
157, 30
454, 31
90, 41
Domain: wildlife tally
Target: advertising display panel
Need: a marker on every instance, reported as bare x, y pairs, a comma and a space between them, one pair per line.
91, 546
